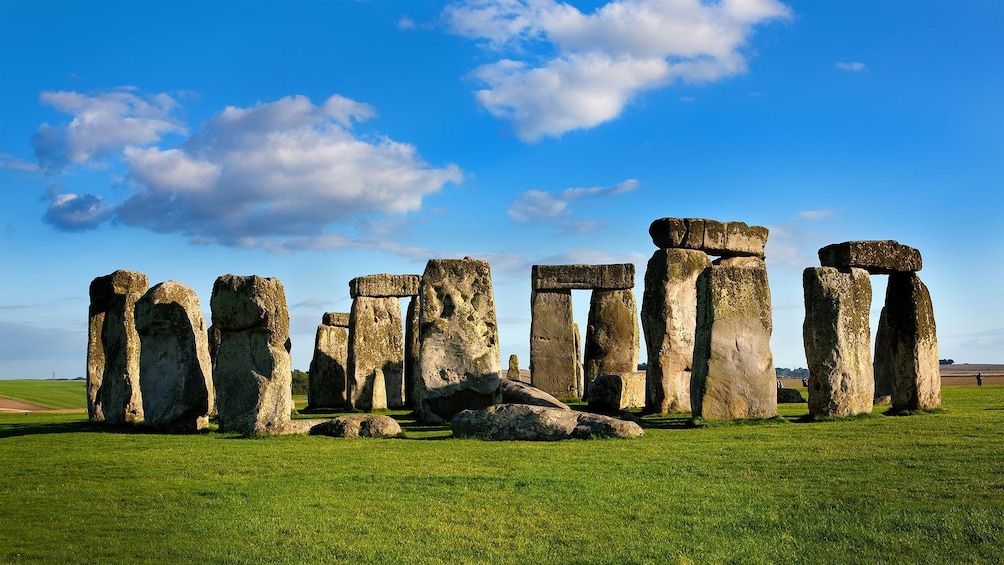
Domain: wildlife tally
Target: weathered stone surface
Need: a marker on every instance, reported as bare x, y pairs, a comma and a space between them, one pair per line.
911, 345
516, 392
609, 394
459, 360
875, 256
252, 373
328, 375
384, 286
733, 375
612, 337
379, 398
583, 277
553, 356
726, 239
522, 422
882, 363
669, 319
358, 425
176, 377
789, 396
113, 348
837, 339
376, 341
580, 372
513, 373
411, 350
336, 319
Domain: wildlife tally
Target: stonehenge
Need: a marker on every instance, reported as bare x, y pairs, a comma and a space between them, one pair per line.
377, 340
113, 348
327, 376
708, 324
612, 338
843, 380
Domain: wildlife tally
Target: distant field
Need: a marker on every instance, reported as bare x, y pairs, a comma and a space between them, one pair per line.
57, 395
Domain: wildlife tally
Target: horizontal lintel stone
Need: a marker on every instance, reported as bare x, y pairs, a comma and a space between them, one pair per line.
337, 319
384, 285
619, 276
724, 239
878, 257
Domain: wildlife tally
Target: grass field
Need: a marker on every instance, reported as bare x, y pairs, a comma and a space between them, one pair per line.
926, 488
46, 393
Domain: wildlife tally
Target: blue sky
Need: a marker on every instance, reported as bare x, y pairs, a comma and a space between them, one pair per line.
319, 141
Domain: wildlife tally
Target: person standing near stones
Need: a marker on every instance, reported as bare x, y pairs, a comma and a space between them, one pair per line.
979, 378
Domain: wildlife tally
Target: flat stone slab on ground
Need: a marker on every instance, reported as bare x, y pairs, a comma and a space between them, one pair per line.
878, 257
384, 285
725, 239
516, 392
619, 276
522, 422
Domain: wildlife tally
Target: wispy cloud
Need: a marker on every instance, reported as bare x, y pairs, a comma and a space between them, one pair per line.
8, 161
794, 244
559, 69
851, 66
313, 302
555, 208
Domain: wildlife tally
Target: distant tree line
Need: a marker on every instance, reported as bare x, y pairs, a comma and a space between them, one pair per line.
946, 361
785, 373
299, 382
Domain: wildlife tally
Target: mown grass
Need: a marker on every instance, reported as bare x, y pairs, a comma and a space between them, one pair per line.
46, 393
916, 489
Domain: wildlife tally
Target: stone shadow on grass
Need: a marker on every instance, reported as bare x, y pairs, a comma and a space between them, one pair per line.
43, 428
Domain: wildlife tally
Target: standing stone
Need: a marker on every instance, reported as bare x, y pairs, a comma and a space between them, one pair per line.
609, 394
912, 344
113, 348
379, 397
552, 343
175, 369
837, 341
326, 379
513, 373
410, 351
883, 363
459, 361
252, 372
669, 319
612, 340
376, 341
580, 373
733, 375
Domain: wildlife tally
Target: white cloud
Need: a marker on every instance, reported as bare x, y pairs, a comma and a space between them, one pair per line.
102, 125
285, 168
854, 66
405, 23
535, 205
8, 161
596, 63
74, 212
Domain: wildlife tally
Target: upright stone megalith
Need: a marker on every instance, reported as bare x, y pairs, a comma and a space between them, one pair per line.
113, 348
411, 331
837, 341
176, 375
459, 360
376, 342
553, 355
733, 375
612, 338
252, 370
910, 349
669, 320
326, 379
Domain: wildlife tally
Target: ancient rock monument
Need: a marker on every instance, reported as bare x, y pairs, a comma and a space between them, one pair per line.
459, 360
376, 338
252, 368
524, 422
610, 394
906, 347
612, 335
326, 382
113, 348
708, 325
175, 369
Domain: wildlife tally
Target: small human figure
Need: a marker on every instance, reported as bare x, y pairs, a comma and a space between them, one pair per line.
805, 382
979, 378
779, 385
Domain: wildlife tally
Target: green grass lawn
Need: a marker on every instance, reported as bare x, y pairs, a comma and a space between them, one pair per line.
908, 489
46, 393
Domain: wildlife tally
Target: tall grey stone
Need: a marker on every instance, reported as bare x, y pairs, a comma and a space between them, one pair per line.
411, 350
882, 364
553, 356
252, 371
837, 341
911, 343
612, 337
513, 373
459, 359
376, 341
580, 373
327, 375
175, 369
113, 348
733, 375
669, 320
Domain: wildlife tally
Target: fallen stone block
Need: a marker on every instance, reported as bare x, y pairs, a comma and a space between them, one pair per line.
358, 425
610, 394
522, 422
